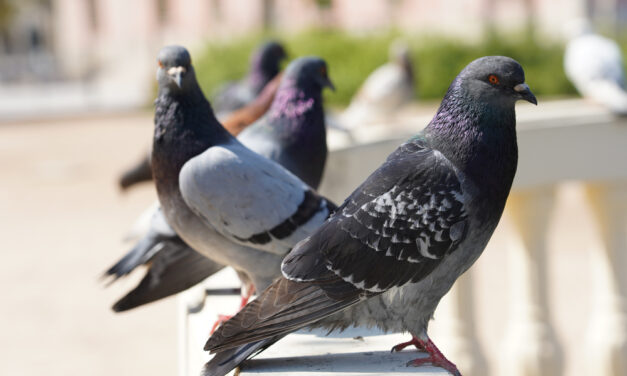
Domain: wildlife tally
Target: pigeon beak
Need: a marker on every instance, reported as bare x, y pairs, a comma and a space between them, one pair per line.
177, 73
326, 82
525, 93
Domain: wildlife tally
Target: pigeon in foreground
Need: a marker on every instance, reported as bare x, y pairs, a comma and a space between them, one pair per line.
208, 183
384, 92
594, 65
264, 65
397, 244
234, 123
297, 143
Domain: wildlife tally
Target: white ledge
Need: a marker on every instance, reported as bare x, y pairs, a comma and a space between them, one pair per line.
353, 352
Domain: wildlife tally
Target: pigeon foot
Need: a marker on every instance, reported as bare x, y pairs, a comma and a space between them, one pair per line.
414, 341
435, 358
250, 290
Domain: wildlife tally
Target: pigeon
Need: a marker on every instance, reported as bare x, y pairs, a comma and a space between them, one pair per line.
397, 244
298, 143
264, 65
594, 65
384, 92
234, 123
194, 183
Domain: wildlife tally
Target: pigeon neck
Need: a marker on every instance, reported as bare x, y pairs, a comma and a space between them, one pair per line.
259, 76
480, 139
185, 126
295, 102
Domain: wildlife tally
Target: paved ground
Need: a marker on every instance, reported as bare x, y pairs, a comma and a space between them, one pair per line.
62, 221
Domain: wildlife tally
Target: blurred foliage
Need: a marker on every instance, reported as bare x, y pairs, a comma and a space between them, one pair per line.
352, 57
7, 11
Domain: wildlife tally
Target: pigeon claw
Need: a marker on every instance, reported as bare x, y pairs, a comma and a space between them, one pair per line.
414, 341
435, 358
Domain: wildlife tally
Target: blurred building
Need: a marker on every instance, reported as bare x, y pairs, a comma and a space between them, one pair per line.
107, 44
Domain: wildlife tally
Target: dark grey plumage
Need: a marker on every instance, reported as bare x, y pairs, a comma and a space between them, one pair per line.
401, 239
292, 132
264, 65
175, 268
289, 135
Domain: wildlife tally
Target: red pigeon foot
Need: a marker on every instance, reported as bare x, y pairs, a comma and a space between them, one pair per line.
250, 290
414, 341
435, 358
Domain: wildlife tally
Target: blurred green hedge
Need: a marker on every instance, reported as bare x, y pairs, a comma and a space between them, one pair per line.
351, 58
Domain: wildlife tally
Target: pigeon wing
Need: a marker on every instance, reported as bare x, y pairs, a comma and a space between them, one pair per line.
361, 250
250, 199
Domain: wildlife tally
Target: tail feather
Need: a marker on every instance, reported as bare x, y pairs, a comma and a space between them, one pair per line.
223, 362
174, 269
282, 308
145, 249
138, 173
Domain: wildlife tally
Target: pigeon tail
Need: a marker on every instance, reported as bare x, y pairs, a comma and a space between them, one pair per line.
283, 307
139, 255
610, 94
139, 173
223, 362
174, 269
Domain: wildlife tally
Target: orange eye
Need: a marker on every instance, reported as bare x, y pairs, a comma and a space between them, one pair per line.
493, 79
323, 71
160, 64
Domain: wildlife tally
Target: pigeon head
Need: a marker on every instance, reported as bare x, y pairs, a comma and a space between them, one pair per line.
497, 80
308, 73
175, 73
265, 63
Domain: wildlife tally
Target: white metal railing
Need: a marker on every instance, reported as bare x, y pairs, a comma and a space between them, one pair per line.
558, 141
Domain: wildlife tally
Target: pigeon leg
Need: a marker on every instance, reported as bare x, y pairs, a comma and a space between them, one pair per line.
436, 358
414, 341
249, 291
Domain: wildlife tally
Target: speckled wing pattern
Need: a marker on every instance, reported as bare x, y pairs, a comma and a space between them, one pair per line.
397, 226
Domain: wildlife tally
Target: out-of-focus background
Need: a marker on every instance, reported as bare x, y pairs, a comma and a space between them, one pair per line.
77, 78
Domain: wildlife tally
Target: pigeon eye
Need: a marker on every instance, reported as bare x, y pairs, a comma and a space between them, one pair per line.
493, 79
160, 63
323, 71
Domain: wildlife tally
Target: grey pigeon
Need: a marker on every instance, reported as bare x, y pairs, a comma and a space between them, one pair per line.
298, 143
264, 65
402, 238
384, 92
594, 65
202, 173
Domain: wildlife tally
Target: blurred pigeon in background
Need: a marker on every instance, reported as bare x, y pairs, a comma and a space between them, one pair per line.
290, 133
264, 65
594, 65
402, 238
234, 123
384, 92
